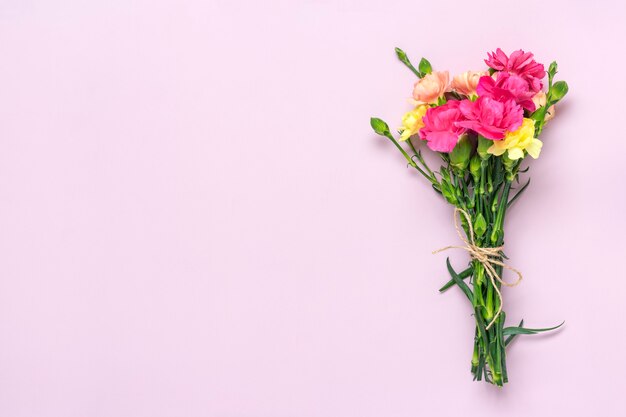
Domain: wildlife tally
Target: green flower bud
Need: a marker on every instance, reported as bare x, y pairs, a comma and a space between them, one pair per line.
495, 236
480, 225
448, 192
558, 91
553, 68
402, 56
425, 67
460, 155
379, 126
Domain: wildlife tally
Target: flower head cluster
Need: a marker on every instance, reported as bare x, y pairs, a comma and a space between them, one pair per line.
497, 105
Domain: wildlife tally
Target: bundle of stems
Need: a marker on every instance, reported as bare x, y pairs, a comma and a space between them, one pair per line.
483, 193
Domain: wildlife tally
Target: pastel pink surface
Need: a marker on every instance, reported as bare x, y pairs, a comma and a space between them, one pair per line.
196, 220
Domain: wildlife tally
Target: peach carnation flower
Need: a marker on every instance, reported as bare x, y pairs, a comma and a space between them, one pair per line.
428, 89
466, 83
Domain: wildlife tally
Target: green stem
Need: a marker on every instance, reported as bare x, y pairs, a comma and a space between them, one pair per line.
491, 195
420, 158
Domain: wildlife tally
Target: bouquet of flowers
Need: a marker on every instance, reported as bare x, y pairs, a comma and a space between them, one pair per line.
482, 124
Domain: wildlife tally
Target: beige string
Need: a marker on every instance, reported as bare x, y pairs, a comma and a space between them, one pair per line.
488, 257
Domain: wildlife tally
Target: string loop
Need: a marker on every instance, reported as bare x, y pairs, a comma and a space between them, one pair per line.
488, 257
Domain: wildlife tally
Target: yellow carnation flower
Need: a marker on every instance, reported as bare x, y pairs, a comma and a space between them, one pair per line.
412, 122
518, 141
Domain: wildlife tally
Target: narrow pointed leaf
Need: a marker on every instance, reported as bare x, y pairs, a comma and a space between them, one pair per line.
521, 330
510, 338
521, 190
502, 347
462, 285
464, 274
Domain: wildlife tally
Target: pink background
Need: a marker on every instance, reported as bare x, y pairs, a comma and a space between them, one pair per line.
196, 220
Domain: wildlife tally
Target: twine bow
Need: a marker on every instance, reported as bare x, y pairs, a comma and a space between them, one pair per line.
488, 257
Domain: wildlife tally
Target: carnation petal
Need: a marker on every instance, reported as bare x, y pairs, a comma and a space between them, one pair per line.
534, 148
442, 141
495, 149
515, 153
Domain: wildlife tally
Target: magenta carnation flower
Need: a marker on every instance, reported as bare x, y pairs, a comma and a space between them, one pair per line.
507, 87
519, 63
441, 129
491, 118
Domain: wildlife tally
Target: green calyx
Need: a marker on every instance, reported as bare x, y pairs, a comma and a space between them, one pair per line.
483, 145
460, 155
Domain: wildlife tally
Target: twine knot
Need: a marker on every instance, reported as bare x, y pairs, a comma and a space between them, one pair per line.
488, 257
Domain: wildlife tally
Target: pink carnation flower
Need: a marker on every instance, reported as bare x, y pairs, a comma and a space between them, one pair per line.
490, 117
441, 128
519, 63
507, 87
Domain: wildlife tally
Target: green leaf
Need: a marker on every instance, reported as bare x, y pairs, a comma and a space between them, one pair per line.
553, 68
462, 285
464, 274
515, 197
425, 67
379, 126
522, 330
539, 114
402, 56
502, 346
482, 331
558, 91
480, 225
513, 336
